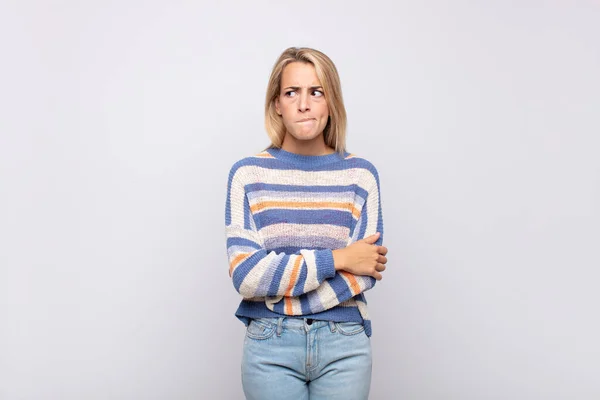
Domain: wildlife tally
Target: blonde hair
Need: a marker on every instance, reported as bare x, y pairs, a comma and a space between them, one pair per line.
335, 130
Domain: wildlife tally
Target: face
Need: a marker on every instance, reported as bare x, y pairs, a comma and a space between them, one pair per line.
301, 103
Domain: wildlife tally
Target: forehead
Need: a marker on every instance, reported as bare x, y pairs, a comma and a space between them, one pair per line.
299, 74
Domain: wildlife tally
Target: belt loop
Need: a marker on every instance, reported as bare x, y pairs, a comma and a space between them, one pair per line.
279, 326
332, 326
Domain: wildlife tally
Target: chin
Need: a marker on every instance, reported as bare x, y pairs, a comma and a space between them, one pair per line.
304, 136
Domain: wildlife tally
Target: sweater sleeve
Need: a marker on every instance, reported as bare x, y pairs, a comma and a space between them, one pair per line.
344, 285
256, 272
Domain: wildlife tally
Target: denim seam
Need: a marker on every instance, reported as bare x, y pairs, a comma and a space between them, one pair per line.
341, 330
315, 359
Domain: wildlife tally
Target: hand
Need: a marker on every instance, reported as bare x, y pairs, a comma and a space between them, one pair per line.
362, 257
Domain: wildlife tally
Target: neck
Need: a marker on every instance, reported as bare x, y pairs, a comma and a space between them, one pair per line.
313, 147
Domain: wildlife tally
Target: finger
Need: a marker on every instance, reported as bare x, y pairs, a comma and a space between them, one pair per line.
372, 239
377, 276
382, 259
382, 250
380, 267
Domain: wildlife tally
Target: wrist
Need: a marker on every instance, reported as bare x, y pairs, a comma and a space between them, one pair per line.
338, 259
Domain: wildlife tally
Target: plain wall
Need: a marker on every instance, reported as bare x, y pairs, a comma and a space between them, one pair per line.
119, 122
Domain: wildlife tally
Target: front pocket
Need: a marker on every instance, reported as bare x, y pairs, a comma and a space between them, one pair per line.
349, 328
260, 330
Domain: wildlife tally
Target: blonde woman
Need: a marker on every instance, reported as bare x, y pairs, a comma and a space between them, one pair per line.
304, 239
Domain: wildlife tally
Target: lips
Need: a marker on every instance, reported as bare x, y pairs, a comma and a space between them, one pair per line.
306, 119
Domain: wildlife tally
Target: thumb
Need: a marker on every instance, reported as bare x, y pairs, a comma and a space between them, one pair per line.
372, 239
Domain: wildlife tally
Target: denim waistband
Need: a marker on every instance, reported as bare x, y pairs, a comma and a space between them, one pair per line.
295, 323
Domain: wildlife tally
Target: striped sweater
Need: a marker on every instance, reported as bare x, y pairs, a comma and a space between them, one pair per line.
284, 215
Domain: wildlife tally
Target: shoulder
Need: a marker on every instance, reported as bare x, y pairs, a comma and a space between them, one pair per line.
246, 163
363, 165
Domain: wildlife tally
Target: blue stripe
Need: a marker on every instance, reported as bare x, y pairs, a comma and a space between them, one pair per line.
361, 192
269, 163
361, 296
228, 200
247, 213
245, 267
324, 260
304, 242
286, 249
299, 288
273, 163
238, 241
255, 309
278, 275
304, 304
318, 217
279, 306
379, 221
340, 287
363, 224
368, 327
251, 187
296, 250
267, 276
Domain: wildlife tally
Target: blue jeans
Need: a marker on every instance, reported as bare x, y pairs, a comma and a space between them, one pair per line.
287, 358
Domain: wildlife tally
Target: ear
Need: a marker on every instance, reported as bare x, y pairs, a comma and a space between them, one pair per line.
277, 109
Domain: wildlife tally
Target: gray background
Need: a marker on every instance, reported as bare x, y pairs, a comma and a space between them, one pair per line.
119, 122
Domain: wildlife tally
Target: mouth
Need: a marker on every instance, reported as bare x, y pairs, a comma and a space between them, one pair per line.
306, 119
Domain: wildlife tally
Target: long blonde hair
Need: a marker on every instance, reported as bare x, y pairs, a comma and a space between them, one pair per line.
335, 130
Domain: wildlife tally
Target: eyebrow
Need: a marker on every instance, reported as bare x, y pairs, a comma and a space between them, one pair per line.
298, 87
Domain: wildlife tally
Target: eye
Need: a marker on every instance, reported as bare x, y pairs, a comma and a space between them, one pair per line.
317, 93
290, 93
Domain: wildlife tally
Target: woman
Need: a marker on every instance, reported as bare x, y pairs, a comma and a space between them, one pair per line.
304, 233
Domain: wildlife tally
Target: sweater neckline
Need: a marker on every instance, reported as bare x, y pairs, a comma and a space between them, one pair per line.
304, 160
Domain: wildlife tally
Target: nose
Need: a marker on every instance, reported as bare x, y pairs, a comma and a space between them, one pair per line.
304, 102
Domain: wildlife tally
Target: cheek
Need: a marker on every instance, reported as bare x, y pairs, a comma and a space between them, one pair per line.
285, 108
324, 110
279, 108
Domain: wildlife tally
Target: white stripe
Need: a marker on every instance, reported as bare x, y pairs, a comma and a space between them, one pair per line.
310, 178
303, 199
296, 306
281, 207
256, 299
349, 303
278, 230
327, 295
299, 196
362, 308
252, 280
235, 250
237, 197
287, 274
271, 301
372, 212
239, 232
311, 267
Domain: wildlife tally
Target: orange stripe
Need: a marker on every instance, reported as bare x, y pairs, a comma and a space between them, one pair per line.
297, 204
265, 155
353, 282
237, 261
294, 276
355, 212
